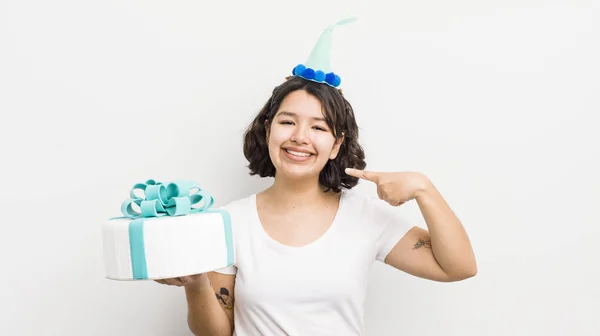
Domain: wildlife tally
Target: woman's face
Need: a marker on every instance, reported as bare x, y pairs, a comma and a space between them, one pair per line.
300, 142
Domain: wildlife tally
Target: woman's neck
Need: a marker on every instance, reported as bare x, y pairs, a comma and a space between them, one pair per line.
292, 193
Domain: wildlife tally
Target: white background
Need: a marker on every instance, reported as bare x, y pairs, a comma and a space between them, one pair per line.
496, 101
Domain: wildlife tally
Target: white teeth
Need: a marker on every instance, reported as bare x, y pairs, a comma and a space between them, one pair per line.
297, 153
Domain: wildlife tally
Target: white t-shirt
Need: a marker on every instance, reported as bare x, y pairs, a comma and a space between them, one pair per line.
316, 289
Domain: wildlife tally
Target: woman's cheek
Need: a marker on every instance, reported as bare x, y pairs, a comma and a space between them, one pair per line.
323, 142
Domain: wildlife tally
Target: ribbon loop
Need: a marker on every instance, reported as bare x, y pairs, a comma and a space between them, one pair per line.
179, 206
151, 208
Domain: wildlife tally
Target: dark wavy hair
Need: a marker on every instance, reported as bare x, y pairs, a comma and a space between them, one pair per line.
338, 114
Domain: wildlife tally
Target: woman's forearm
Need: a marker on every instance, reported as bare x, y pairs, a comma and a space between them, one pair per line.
205, 314
449, 241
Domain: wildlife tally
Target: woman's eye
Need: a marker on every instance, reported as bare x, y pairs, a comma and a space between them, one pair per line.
320, 128
285, 122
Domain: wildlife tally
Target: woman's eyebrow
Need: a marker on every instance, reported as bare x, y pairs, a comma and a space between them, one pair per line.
292, 114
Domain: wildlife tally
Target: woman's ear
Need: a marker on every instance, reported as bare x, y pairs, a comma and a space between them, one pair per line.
336, 147
267, 130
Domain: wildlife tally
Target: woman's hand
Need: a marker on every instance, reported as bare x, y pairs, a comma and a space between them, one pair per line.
190, 282
396, 188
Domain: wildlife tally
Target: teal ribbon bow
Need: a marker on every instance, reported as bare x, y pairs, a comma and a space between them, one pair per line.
172, 199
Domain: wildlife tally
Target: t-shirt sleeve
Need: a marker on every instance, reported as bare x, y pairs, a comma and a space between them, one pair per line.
232, 270
389, 226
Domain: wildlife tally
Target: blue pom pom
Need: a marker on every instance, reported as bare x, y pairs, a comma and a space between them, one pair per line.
337, 81
309, 73
330, 77
298, 70
319, 76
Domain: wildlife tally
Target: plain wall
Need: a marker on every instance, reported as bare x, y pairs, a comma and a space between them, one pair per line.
496, 101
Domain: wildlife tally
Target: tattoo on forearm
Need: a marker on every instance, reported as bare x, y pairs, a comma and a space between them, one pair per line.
224, 299
422, 243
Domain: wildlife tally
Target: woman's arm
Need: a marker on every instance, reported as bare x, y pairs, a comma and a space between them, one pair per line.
210, 305
210, 300
443, 252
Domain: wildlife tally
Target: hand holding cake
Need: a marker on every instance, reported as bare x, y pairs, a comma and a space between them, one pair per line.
190, 282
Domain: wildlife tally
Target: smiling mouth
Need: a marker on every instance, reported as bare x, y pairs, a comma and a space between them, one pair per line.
295, 153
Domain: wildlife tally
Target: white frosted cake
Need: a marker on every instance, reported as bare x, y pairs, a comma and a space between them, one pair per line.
170, 236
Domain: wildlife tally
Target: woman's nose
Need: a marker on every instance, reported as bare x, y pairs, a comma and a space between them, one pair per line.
300, 135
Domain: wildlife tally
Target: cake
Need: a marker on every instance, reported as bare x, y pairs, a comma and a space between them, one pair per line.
167, 230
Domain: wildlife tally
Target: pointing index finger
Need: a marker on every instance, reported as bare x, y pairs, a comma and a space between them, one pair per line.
362, 174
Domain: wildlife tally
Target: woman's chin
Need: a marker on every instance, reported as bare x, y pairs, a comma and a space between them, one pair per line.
298, 172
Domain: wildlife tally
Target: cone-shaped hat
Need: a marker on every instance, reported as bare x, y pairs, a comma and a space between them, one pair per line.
318, 66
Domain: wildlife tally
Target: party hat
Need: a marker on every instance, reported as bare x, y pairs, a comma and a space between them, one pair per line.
318, 68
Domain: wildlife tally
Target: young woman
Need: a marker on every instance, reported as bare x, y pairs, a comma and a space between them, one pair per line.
305, 245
